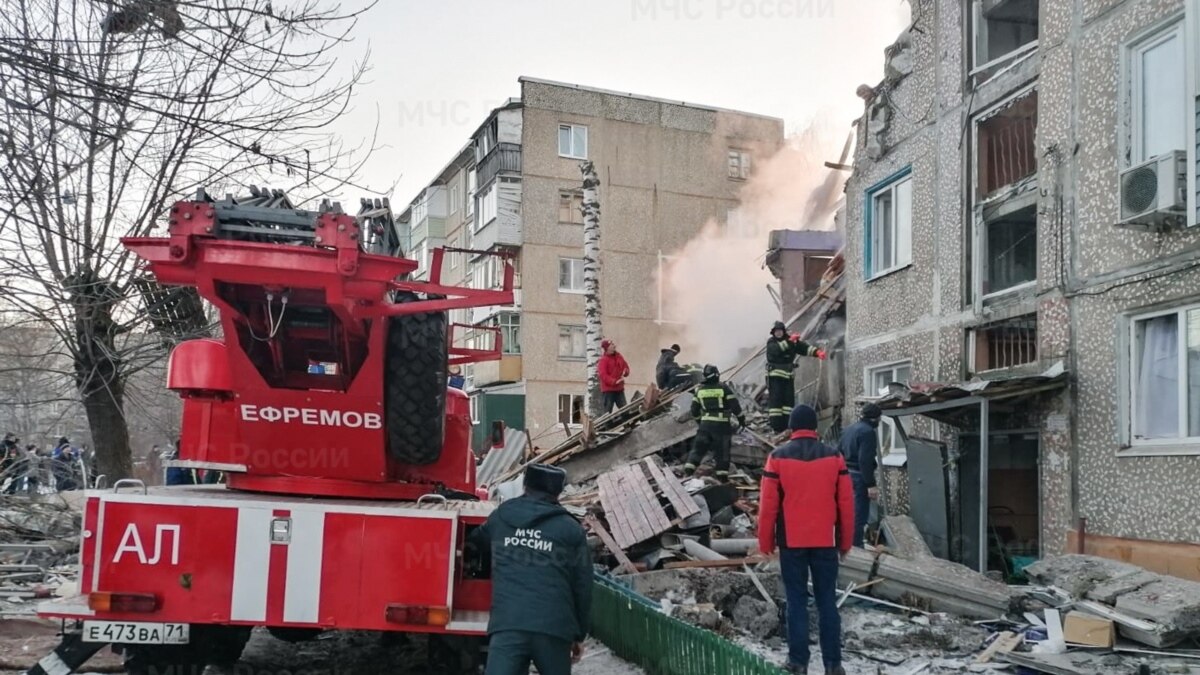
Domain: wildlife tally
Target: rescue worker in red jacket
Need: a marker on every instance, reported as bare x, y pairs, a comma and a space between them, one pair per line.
807, 512
613, 371
782, 352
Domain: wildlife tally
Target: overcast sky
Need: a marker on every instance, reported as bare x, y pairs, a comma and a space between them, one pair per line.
439, 66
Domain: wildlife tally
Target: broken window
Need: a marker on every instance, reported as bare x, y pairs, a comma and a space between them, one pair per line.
889, 219
739, 164
1010, 250
570, 275
1158, 106
1003, 29
878, 380
572, 342
570, 409
570, 207
572, 141
1004, 344
1005, 145
1165, 376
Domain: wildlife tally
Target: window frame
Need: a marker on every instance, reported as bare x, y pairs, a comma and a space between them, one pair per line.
745, 164
572, 195
1132, 51
570, 414
887, 184
976, 18
469, 192
474, 405
583, 283
897, 452
490, 193
1134, 446
571, 126
870, 371
572, 327
455, 196
509, 321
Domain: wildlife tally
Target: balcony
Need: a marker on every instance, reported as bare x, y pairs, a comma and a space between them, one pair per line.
505, 157
481, 314
507, 369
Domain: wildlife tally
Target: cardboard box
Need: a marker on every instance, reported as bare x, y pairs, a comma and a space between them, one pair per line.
1085, 629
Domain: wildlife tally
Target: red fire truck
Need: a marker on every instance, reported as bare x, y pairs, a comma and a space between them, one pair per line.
350, 481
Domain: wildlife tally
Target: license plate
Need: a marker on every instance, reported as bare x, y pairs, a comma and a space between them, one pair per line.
135, 632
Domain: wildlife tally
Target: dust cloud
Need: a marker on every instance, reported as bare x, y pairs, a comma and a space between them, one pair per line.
716, 286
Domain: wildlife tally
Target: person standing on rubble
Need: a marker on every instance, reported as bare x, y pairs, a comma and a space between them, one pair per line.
666, 372
715, 406
807, 512
859, 445
541, 579
613, 371
782, 351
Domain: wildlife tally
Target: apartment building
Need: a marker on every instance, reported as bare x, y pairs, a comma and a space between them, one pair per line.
1024, 293
666, 168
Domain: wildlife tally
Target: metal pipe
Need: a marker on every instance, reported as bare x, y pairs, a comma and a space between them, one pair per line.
732, 546
701, 552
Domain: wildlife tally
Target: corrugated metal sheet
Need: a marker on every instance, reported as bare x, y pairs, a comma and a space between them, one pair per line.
499, 460
920, 393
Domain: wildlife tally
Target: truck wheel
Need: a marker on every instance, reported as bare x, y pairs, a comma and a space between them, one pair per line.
415, 385
457, 654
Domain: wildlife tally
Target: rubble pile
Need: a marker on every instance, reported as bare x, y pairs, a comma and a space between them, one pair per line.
39, 544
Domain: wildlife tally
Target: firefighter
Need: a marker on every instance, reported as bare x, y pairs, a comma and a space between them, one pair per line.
714, 406
541, 580
782, 352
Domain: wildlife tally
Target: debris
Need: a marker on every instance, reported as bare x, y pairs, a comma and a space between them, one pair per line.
941, 585
631, 507
904, 540
1054, 643
756, 617
762, 590
1004, 642
595, 526
1082, 629
1055, 664
733, 546
701, 552
691, 564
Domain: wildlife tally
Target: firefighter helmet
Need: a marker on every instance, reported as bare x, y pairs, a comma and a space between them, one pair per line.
711, 373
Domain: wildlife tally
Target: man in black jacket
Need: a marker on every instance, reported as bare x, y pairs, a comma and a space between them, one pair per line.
782, 352
859, 445
541, 580
666, 373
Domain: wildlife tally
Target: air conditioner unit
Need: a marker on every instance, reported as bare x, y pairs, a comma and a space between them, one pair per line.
1154, 193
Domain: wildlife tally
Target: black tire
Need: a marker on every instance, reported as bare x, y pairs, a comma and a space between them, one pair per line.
209, 645
415, 385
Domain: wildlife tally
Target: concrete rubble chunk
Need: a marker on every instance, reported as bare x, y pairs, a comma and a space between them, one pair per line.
1078, 574
1108, 591
904, 539
755, 617
936, 585
1172, 603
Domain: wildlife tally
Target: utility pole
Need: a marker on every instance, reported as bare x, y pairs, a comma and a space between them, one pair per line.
591, 285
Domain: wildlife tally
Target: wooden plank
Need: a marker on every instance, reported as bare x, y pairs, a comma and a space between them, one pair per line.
650, 502
732, 562
610, 544
627, 508
610, 499
642, 513
672, 489
1004, 643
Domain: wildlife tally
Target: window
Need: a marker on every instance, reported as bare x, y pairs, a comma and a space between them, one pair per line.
880, 377
1003, 344
739, 164
469, 194
570, 409
474, 409
510, 332
1165, 376
455, 256
1010, 250
572, 342
1004, 142
570, 207
420, 209
889, 226
455, 197
1158, 102
572, 141
487, 207
1003, 29
570, 275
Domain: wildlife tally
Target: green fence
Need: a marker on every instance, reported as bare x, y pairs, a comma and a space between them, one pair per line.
632, 626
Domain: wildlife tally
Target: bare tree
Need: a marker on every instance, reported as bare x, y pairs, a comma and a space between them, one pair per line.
591, 285
114, 109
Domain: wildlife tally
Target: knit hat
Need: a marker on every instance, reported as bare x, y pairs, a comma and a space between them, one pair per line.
803, 418
871, 411
605, 343
676, 349
545, 479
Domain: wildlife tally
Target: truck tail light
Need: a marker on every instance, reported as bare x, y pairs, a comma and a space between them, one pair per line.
105, 601
418, 615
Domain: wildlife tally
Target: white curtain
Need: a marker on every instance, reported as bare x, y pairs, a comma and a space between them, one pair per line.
1158, 378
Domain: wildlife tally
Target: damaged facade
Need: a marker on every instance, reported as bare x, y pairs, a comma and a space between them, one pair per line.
1021, 211
666, 168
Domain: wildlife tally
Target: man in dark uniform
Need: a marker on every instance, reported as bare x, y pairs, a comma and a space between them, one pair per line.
713, 406
782, 352
666, 371
859, 445
541, 580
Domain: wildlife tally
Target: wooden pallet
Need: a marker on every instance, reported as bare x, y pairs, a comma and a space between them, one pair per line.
632, 505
